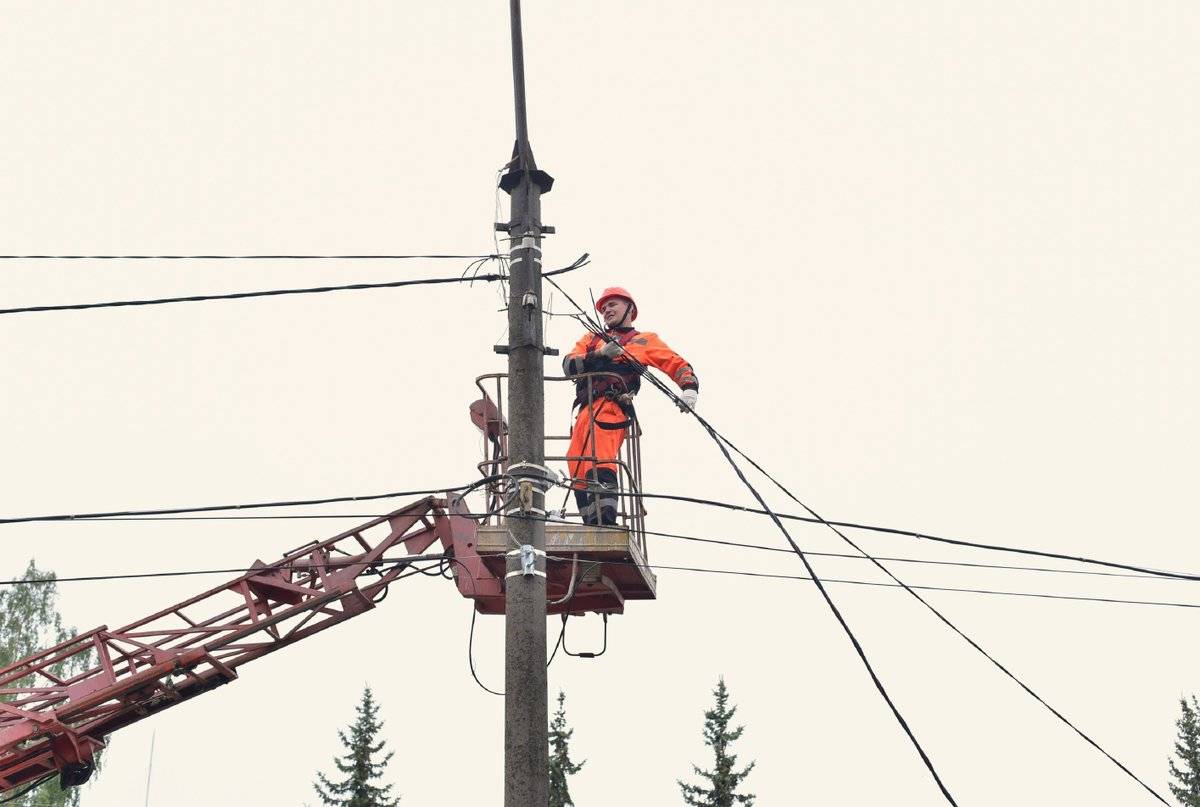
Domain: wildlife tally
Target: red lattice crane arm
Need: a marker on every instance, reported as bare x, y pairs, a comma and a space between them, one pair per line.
55, 723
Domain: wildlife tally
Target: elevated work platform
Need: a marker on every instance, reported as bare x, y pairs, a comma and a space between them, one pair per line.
587, 568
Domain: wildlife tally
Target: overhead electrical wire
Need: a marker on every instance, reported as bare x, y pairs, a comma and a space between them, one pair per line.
114, 514
900, 559
925, 536
722, 442
678, 536
242, 295
1136, 572
995, 662
879, 584
331, 564
858, 648
154, 515
243, 257
735, 572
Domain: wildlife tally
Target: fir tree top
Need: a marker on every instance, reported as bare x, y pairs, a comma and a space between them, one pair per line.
561, 765
723, 779
1186, 775
359, 765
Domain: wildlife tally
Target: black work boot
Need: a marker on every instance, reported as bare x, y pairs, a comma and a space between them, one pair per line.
606, 498
586, 500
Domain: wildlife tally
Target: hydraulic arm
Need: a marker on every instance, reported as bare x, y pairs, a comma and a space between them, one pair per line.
54, 723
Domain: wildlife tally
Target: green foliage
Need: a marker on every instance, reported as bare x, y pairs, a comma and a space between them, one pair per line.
1186, 775
561, 765
722, 780
359, 765
29, 621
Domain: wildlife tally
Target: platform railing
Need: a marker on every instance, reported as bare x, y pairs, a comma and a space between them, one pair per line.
631, 514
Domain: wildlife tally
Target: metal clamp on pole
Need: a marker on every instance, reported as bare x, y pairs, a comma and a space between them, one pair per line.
530, 479
539, 476
529, 557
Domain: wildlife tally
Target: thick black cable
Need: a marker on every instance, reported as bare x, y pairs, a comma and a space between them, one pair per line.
858, 648
673, 535
242, 257
471, 634
242, 295
436, 573
561, 634
471, 653
722, 442
1148, 574
117, 514
895, 559
925, 536
956, 629
332, 564
878, 584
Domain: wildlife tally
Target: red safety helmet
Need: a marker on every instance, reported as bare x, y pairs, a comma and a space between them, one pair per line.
617, 291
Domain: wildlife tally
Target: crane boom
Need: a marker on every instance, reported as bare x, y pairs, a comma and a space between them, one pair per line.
52, 722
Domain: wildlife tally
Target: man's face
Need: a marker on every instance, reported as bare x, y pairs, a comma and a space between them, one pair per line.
613, 310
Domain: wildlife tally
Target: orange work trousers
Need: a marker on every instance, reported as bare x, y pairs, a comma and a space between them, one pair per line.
590, 439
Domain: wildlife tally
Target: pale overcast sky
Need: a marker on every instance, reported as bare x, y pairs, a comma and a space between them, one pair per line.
934, 263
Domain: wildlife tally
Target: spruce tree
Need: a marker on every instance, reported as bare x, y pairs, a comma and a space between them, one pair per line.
723, 780
360, 764
1186, 786
561, 765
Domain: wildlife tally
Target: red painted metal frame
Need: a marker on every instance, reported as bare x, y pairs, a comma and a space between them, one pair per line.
54, 723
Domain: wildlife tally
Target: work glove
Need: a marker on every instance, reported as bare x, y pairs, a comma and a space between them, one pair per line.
610, 350
688, 400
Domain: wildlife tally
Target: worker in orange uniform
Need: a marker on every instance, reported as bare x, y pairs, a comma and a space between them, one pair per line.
601, 426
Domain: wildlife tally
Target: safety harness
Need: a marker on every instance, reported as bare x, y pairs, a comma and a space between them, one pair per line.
619, 392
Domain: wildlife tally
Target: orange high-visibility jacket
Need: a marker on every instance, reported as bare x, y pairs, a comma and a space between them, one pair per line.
644, 346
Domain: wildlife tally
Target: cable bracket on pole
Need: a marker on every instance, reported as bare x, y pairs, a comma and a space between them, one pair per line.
540, 476
529, 557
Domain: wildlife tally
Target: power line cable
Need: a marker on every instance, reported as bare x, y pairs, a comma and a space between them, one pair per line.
722, 442
924, 536
995, 662
879, 584
152, 515
331, 564
858, 648
895, 559
242, 295
773, 575
694, 538
249, 505
243, 257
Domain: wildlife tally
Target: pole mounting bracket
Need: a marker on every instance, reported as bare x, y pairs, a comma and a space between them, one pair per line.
505, 226
510, 181
504, 350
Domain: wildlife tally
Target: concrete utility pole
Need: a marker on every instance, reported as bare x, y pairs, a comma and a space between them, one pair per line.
526, 752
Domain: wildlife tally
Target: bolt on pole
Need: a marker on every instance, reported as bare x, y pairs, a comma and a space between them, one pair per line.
526, 752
